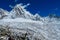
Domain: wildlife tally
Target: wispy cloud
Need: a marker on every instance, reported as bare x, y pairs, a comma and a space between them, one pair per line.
26, 5
11, 6
56, 9
16, 0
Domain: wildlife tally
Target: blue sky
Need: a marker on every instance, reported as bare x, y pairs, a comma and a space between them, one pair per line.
43, 7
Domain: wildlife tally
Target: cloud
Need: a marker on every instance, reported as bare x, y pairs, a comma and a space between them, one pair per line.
11, 6
23, 6
16, 0
26, 5
56, 9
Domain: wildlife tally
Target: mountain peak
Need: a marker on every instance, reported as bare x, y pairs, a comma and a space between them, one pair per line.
3, 13
19, 11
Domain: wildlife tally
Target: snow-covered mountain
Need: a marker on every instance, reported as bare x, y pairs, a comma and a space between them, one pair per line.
20, 21
3, 13
19, 11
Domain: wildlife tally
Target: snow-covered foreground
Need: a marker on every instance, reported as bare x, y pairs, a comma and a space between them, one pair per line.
37, 29
19, 21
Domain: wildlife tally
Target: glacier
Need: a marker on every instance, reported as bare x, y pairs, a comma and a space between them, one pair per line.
19, 21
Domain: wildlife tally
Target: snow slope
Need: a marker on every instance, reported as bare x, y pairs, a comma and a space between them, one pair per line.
19, 20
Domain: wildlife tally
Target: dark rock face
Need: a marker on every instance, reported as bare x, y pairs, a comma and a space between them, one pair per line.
7, 35
10, 38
